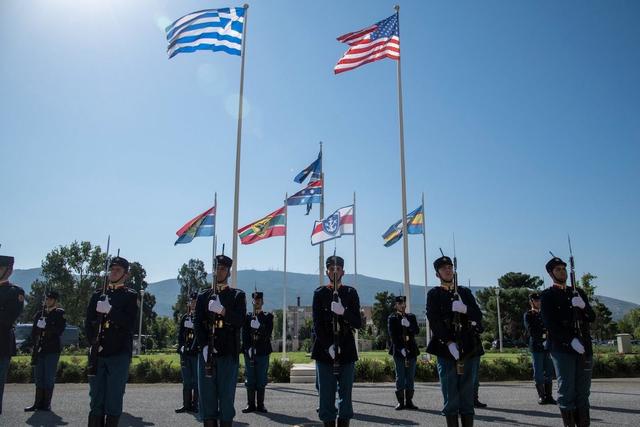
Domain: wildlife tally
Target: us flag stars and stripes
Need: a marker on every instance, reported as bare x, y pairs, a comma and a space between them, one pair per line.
379, 41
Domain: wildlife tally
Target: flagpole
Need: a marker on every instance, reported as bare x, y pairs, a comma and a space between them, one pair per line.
426, 280
321, 248
215, 241
405, 241
355, 257
236, 196
284, 293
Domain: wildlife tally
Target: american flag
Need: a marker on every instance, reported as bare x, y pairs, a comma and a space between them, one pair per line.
379, 41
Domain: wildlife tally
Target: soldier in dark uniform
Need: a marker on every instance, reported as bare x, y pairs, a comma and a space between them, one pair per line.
539, 348
223, 312
188, 350
336, 314
402, 328
566, 314
256, 347
119, 309
48, 326
11, 305
458, 351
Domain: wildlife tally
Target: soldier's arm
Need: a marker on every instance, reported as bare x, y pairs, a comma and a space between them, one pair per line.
527, 326
56, 323
588, 314
413, 324
555, 328
181, 333
436, 321
125, 315
392, 328
200, 319
322, 334
352, 311
90, 319
13, 310
246, 333
237, 312
268, 325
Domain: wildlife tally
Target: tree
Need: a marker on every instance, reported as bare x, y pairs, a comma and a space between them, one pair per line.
305, 329
630, 323
191, 277
164, 332
519, 280
603, 327
382, 308
137, 275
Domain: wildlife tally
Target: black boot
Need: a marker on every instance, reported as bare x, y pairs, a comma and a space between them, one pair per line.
548, 394
568, 419
186, 402
477, 403
583, 419
400, 397
210, 423
452, 420
194, 402
226, 423
409, 400
330, 423
542, 396
96, 420
111, 421
260, 405
251, 401
466, 420
46, 400
37, 401
343, 423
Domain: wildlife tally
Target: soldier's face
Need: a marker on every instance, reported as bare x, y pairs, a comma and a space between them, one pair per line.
117, 274
222, 273
446, 273
5, 273
258, 302
535, 303
560, 274
335, 273
51, 302
401, 306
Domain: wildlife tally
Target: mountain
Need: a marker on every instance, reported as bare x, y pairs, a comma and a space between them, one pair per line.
24, 278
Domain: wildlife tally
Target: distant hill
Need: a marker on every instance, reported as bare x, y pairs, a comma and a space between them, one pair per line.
298, 284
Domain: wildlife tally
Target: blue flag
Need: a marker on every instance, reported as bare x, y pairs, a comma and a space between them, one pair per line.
315, 169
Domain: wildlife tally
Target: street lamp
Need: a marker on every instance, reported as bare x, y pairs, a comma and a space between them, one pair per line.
497, 290
140, 326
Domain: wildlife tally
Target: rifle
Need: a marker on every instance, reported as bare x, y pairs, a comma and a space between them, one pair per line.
405, 341
92, 365
457, 322
577, 315
210, 363
336, 326
38, 332
254, 333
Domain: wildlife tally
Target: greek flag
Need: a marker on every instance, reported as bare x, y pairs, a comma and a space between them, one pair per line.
209, 29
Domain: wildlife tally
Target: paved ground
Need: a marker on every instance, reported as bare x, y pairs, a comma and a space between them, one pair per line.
615, 402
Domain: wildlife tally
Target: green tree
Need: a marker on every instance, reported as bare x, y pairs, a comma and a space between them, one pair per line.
137, 276
164, 332
191, 277
277, 324
305, 329
603, 327
383, 306
519, 281
630, 323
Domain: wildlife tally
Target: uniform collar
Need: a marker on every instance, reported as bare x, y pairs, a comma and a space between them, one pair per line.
116, 286
221, 287
330, 286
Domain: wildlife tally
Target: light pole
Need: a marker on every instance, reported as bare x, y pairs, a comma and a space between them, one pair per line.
499, 320
140, 326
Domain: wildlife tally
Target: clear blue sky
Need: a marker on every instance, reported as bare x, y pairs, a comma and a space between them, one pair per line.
521, 125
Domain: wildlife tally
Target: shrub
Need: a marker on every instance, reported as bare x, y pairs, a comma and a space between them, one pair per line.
279, 370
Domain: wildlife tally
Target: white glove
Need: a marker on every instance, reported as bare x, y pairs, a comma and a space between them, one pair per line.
404, 322
103, 306
459, 307
42, 323
453, 349
215, 306
255, 324
577, 346
403, 352
251, 352
578, 302
205, 352
337, 307
332, 351
188, 324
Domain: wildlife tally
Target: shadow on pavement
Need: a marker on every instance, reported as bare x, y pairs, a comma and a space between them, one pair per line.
128, 420
45, 418
524, 412
373, 419
287, 420
620, 410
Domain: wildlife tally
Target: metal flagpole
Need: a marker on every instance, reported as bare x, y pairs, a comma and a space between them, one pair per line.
405, 241
426, 278
236, 196
355, 257
284, 293
214, 244
321, 248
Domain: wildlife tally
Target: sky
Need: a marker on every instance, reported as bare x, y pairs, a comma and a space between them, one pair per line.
520, 123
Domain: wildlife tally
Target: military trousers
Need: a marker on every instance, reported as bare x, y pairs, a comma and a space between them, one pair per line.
44, 373
457, 390
574, 379
328, 384
405, 373
542, 367
189, 370
476, 380
106, 388
217, 394
257, 376
4, 370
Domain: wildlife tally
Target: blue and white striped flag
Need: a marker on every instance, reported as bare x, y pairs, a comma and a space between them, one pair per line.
209, 29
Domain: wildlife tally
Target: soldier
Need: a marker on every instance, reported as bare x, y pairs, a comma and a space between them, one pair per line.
188, 350
336, 314
256, 346
402, 328
220, 313
566, 315
539, 348
11, 304
119, 309
48, 326
455, 342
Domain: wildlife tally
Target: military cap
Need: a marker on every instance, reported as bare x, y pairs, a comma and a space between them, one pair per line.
257, 295
224, 260
534, 296
6, 261
442, 261
120, 262
53, 294
553, 263
335, 260
401, 298
193, 295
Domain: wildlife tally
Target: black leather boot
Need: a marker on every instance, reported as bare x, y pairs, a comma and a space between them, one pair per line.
542, 396
37, 401
210, 423
194, 402
330, 423
343, 423
409, 400
548, 394
477, 403
452, 420
111, 421
46, 400
568, 419
466, 420
400, 397
226, 423
583, 419
251, 401
186, 402
96, 420
260, 403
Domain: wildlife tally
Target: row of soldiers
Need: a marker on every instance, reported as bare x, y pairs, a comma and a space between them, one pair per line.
211, 332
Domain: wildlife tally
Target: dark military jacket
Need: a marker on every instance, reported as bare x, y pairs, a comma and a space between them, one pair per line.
558, 319
441, 322
227, 327
347, 323
535, 329
259, 339
401, 336
11, 305
187, 345
118, 325
49, 341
